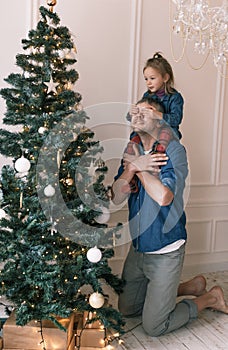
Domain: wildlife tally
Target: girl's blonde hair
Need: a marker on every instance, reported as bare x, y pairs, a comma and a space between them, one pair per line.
159, 63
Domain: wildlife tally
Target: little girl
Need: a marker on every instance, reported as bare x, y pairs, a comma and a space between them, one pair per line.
159, 79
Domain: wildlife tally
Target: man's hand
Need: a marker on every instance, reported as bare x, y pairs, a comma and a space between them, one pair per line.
147, 162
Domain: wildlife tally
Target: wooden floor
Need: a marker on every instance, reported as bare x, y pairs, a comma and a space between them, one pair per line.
208, 332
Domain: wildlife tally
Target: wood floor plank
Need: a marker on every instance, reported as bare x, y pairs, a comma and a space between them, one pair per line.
189, 340
171, 342
147, 341
211, 340
132, 323
217, 324
130, 342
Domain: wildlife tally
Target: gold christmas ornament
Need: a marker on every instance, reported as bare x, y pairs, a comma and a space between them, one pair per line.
96, 300
51, 2
26, 128
78, 106
69, 181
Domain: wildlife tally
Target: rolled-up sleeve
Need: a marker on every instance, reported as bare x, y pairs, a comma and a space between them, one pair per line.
175, 171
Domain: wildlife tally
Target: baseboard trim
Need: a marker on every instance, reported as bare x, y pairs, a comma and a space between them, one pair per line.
195, 269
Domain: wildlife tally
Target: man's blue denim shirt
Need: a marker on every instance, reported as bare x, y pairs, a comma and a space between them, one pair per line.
152, 226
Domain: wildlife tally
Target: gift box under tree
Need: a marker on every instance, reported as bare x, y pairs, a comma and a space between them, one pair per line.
30, 337
89, 334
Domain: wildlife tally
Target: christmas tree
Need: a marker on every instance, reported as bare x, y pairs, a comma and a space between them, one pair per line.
54, 238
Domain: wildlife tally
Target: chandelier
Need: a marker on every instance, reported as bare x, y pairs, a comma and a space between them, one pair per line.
205, 26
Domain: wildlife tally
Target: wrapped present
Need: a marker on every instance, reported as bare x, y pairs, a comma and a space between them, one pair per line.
89, 337
28, 337
87, 317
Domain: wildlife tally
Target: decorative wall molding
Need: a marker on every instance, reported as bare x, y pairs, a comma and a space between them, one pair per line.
135, 39
200, 233
205, 203
217, 128
208, 196
32, 13
220, 238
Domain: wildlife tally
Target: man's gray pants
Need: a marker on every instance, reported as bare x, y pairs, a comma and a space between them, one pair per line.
152, 282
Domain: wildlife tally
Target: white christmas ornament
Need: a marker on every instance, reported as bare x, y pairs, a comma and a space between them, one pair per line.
104, 216
96, 300
26, 74
63, 53
49, 191
22, 165
42, 130
2, 214
94, 255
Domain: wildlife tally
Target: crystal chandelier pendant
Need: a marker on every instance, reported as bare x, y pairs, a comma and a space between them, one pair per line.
205, 26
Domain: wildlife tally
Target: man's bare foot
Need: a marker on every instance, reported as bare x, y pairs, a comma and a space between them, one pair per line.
219, 303
196, 286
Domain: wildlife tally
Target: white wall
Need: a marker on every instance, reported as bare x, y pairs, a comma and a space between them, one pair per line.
114, 38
